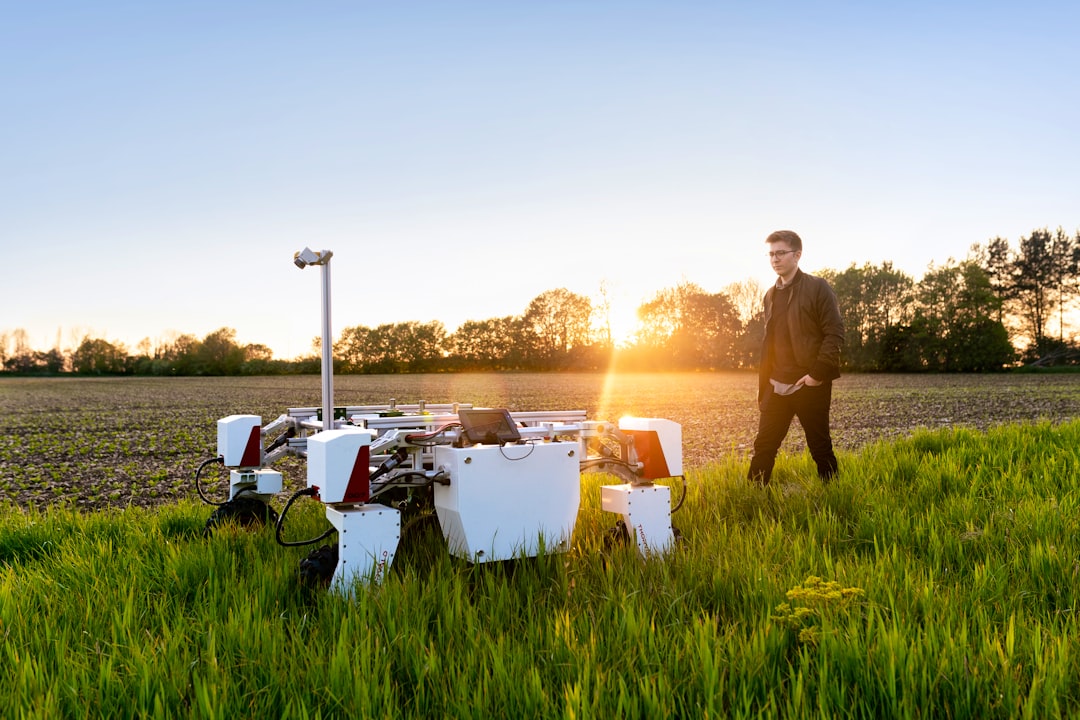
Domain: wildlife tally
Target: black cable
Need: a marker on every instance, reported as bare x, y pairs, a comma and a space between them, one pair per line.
198, 482
414, 437
331, 530
590, 462
399, 456
281, 440
681, 499
416, 521
399, 480
502, 451
614, 461
281, 523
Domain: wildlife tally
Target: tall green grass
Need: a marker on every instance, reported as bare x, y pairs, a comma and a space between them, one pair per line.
935, 577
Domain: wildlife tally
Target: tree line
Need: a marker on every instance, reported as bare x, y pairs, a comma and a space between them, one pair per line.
1003, 305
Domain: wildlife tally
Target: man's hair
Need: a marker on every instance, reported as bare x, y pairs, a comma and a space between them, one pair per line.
794, 241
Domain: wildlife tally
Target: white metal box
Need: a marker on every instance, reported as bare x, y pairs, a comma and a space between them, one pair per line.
646, 510
658, 444
337, 465
263, 481
368, 537
239, 439
508, 501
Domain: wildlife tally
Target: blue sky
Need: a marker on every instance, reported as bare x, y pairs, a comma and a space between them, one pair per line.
163, 161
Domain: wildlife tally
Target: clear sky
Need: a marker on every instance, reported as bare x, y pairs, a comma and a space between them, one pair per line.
162, 161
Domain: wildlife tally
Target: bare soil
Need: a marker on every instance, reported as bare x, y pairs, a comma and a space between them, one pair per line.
117, 442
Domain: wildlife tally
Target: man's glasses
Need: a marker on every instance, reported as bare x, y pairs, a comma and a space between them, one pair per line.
779, 253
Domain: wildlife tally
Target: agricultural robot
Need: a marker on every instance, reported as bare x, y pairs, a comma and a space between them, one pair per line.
501, 484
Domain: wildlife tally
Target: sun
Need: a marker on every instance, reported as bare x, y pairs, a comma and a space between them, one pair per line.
621, 322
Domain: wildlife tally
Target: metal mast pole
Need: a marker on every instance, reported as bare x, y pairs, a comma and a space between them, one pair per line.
302, 259
327, 351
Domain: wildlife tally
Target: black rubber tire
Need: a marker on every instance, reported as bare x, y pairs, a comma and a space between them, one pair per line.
246, 512
421, 542
618, 536
317, 569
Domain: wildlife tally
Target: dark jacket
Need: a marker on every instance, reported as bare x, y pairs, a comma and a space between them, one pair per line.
816, 328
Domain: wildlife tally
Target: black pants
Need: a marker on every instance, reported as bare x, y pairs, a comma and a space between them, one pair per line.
811, 406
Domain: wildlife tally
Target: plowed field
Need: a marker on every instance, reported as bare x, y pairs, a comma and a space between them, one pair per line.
116, 442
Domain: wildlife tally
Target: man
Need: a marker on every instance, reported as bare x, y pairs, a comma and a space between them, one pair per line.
800, 358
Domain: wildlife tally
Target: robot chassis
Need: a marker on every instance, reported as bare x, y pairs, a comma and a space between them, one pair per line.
502, 485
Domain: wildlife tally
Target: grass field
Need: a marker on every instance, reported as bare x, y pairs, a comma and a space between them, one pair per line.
936, 577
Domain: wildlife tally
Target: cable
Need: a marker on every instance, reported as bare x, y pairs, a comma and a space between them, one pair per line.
399, 456
310, 491
502, 451
421, 517
614, 461
681, 499
412, 438
198, 483
281, 523
590, 462
281, 440
399, 480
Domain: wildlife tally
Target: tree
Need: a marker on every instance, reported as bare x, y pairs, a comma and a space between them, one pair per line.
903, 345
179, 355
419, 346
257, 351
748, 341
659, 317
351, 350
486, 344
391, 348
1034, 276
873, 299
1036, 279
710, 326
18, 356
746, 297
53, 361
95, 356
378, 354
24, 363
554, 323
957, 329
1065, 250
259, 360
218, 354
686, 327
601, 319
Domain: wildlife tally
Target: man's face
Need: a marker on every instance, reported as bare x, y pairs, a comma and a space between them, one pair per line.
783, 259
